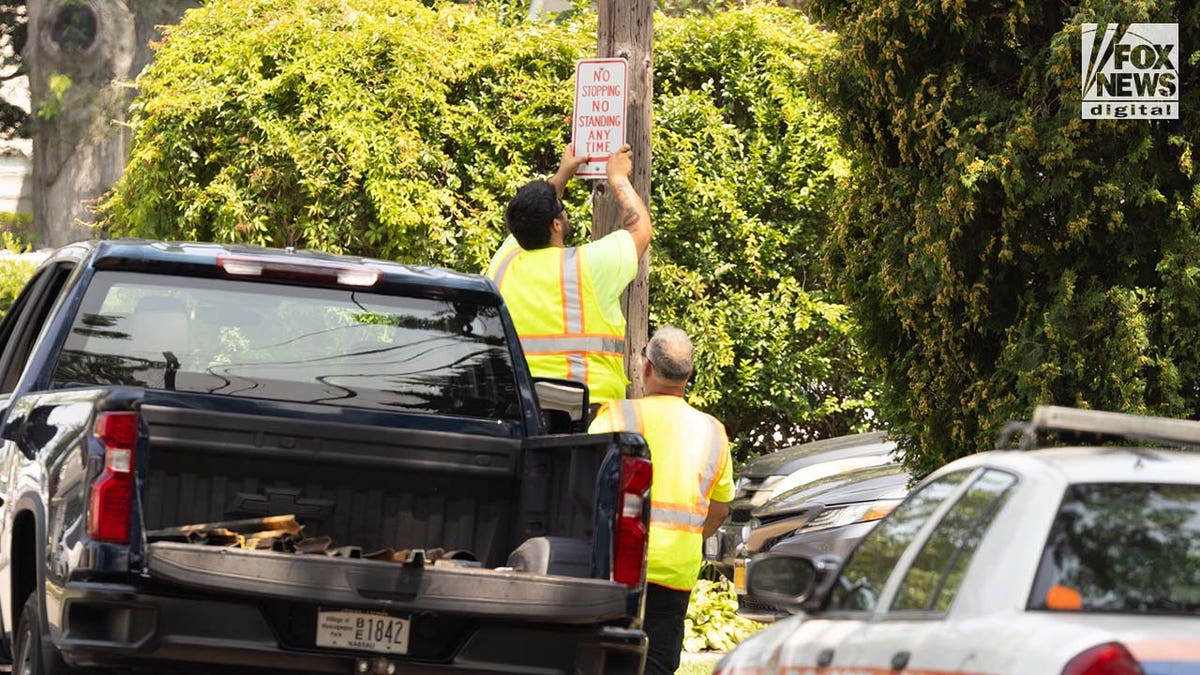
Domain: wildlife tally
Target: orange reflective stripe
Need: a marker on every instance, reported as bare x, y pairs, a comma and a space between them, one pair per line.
683, 527
682, 508
675, 520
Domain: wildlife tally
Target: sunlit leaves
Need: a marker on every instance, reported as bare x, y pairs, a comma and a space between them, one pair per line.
399, 129
1000, 251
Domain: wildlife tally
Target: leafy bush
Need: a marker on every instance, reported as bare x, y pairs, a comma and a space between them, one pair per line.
391, 129
712, 622
999, 250
18, 225
15, 269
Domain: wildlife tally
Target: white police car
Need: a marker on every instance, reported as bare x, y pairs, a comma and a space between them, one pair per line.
1065, 561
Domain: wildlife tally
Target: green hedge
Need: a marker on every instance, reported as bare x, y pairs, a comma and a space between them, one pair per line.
15, 269
396, 130
1000, 251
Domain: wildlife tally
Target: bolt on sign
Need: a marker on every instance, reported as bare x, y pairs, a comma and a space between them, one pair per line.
1130, 74
598, 125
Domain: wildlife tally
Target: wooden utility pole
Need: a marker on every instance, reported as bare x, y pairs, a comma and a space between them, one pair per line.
627, 30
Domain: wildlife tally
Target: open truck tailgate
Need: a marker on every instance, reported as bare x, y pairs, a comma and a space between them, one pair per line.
466, 592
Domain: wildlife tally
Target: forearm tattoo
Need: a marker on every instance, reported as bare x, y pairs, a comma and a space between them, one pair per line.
628, 197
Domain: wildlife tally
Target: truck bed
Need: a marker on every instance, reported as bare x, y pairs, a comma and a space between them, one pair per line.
368, 487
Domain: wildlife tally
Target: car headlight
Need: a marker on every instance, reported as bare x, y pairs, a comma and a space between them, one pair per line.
848, 515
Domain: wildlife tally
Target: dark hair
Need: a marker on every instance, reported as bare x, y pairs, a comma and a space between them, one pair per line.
531, 212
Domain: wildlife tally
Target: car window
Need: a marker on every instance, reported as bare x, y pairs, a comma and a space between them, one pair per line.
1123, 547
337, 347
10, 363
25, 319
932, 580
864, 574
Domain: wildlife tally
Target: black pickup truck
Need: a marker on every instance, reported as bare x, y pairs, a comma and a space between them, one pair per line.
234, 458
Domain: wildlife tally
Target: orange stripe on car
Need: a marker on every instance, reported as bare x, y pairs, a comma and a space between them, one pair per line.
1181, 649
837, 670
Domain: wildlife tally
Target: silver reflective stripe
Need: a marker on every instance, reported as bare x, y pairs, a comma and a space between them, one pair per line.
572, 293
576, 367
558, 345
629, 411
714, 460
502, 269
662, 515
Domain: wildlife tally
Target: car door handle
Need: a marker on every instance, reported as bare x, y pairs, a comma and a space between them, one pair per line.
900, 660
824, 658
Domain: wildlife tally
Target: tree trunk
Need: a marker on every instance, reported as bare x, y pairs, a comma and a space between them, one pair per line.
81, 57
627, 30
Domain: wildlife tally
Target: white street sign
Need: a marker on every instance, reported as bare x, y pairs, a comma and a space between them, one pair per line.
598, 126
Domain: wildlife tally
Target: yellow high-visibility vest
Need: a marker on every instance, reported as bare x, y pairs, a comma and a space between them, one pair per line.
558, 318
690, 454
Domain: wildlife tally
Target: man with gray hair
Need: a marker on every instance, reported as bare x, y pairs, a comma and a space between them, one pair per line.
691, 491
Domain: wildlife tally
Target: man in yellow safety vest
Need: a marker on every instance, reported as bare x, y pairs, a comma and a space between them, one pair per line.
565, 302
690, 492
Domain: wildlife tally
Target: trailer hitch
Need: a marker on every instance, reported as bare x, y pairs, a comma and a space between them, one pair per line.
375, 666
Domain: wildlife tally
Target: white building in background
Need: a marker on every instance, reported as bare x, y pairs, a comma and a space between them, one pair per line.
16, 156
537, 7
16, 176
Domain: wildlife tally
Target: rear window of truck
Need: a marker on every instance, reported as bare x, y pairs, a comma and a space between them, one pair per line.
1130, 548
337, 347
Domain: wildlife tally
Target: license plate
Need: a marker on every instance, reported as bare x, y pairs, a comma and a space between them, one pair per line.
739, 576
363, 631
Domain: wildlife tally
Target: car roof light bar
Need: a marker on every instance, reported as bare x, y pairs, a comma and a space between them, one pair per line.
1124, 426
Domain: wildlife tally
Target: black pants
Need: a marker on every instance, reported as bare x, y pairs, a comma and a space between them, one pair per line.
665, 611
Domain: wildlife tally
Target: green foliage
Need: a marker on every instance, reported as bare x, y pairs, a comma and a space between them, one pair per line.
14, 270
701, 665
679, 7
712, 622
57, 84
744, 168
998, 250
19, 226
391, 129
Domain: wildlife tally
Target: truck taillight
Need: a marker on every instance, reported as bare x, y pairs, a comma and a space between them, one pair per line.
1110, 658
111, 504
629, 548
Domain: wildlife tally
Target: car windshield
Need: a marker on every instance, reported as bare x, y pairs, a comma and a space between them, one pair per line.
248, 339
1123, 547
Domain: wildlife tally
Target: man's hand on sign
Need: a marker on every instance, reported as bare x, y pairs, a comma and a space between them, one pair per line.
620, 163
567, 167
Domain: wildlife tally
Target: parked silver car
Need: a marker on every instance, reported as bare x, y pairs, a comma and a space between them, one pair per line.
784, 471
1078, 559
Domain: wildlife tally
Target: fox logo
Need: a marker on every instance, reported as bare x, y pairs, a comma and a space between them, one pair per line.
1132, 73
